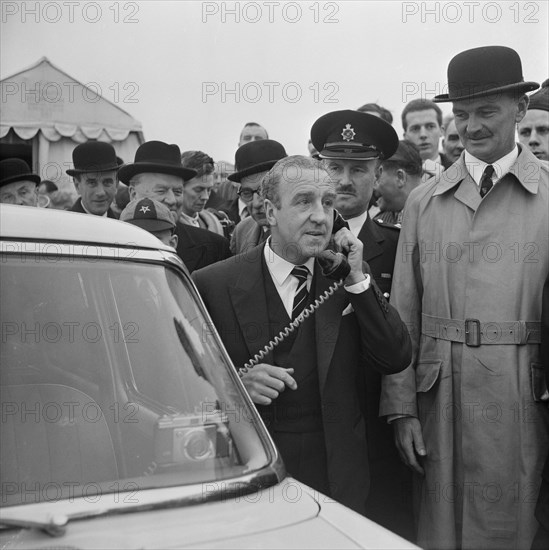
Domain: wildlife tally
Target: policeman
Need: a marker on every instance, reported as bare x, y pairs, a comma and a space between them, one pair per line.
353, 144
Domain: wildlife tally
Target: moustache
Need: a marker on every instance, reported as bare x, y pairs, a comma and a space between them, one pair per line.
346, 189
477, 136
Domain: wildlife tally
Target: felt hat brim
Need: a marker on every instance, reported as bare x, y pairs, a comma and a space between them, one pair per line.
21, 177
127, 172
520, 88
251, 170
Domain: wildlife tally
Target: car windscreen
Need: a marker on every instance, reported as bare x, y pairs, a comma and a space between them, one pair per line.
112, 381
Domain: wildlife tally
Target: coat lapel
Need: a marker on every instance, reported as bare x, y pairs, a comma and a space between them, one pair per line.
457, 175
327, 321
250, 305
371, 238
190, 250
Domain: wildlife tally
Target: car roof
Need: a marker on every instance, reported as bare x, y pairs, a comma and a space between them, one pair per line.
44, 224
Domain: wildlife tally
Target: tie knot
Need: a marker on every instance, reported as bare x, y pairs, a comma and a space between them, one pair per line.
488, 172
300, 272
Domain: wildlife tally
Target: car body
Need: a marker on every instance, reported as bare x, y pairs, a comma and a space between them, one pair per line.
124, 423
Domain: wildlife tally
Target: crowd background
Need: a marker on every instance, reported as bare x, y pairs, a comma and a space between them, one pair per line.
340, 55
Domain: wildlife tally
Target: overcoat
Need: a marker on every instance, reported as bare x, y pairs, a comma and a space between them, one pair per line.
485, 428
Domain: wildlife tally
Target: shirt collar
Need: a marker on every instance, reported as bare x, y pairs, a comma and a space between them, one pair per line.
355, 224
191, 220
88, 212
242, 206
476, 167
279, 268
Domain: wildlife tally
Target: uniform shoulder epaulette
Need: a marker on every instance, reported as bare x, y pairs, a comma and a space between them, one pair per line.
382, 223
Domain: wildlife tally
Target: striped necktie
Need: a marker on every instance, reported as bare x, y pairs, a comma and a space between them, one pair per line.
486, 182
300, 272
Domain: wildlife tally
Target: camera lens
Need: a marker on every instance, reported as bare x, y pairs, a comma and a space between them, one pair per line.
197, 445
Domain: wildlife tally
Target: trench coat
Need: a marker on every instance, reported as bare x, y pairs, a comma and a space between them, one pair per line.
484, 425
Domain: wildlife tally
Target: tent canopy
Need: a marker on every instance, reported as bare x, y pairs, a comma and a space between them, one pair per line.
51, 111
43, 97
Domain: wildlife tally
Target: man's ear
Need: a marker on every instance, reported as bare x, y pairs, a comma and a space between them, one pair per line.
270, 210
132, 192
76, 182
523, 103
174, 240
402, 177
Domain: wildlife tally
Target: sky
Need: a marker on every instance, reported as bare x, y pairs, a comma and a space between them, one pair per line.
193, 73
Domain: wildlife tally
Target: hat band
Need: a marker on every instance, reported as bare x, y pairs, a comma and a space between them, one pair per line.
97, 167
344, 147
465, 89
171, 162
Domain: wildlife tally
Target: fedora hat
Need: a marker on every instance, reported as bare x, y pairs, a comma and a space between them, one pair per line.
156, 157
256, 156
485, 71
14, 169
93, 156
350, 135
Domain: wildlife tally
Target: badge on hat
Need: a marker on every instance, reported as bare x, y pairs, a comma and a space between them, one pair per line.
148, 214
348, 133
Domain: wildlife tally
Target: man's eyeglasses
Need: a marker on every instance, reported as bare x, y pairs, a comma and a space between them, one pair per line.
247, 194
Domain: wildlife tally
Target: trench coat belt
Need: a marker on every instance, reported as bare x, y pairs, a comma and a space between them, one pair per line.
474, 333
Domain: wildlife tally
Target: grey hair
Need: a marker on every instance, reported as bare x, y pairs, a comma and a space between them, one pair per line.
137, 179
287, 169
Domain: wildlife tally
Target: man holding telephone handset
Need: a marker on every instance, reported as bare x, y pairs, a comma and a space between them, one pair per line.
306, 388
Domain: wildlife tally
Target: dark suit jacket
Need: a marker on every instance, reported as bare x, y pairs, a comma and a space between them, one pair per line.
372, 336
199, 247
445, 161
380, 241
389, 502
77, 207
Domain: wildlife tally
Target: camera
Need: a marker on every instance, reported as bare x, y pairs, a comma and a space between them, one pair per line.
192, 438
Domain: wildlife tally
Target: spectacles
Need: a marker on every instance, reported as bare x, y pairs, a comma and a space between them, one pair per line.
247, 194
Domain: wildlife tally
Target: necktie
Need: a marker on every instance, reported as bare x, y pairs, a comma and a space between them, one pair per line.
486, 181
300, 272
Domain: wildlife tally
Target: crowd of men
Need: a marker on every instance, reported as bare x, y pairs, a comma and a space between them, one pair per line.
421, 384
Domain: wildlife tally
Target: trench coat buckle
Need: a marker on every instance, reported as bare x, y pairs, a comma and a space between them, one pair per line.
472, 333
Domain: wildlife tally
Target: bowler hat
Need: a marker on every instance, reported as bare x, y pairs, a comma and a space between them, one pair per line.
485, 71
156, 157
148, 214
93, 156
256, 156
14, 169
353, 135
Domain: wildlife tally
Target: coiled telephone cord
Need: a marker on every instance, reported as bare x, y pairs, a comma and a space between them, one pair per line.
290, 328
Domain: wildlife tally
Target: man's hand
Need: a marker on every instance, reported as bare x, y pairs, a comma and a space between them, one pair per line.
265, 382
349, 245
409, 442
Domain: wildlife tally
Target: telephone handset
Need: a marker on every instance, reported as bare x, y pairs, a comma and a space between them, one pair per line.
334, 265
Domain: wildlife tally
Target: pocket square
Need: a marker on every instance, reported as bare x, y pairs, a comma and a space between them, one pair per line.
347, 310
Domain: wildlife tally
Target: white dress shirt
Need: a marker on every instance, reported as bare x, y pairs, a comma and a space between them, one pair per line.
476, 167
286, 284
355, 224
